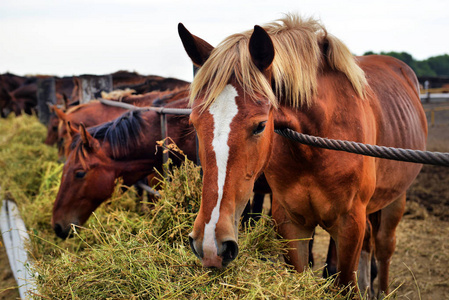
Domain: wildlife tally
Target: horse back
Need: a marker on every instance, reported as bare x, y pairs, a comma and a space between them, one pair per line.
400, 122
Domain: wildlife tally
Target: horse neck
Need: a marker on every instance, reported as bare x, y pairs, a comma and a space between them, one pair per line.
89, 116
315, 118
144, 157
141, 156
134, 170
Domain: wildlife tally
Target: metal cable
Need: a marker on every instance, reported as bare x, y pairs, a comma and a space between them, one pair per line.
161, 110
407, 155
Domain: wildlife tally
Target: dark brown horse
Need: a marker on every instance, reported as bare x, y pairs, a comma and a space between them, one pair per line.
8, 83
122, 148
293, 74
24, 98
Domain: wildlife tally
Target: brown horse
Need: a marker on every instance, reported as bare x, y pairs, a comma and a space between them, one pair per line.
292, 74
123, 148
94, 113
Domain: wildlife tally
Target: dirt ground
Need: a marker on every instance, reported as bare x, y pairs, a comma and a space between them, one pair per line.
419, 264
6, 277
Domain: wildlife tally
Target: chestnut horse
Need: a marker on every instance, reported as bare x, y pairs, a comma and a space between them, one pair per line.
293, 74
124, 147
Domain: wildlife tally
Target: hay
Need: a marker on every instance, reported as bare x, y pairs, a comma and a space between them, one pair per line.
117, 95
123, 252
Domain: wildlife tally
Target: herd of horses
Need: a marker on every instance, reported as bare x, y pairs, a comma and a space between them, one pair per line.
286, 74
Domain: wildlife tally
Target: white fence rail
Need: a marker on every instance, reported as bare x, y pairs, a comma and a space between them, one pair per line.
15, 236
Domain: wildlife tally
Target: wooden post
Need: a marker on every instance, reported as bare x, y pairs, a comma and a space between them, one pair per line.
46, 94
91, 86
427, 87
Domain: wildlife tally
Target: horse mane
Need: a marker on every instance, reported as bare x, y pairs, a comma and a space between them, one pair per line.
302, 49
122, 134
78, 107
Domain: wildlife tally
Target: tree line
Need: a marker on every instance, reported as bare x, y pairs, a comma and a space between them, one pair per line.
432, 67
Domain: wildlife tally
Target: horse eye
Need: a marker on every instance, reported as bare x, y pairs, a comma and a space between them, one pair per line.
80, 174
260, 128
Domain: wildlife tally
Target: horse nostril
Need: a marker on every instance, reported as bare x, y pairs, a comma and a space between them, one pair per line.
192, 246
60, 232
230, 252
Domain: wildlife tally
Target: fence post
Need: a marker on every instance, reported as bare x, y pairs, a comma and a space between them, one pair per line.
46, 94
91, 86
427, 87
164, 132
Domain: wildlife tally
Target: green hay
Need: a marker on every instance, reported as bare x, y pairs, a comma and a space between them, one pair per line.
125, 252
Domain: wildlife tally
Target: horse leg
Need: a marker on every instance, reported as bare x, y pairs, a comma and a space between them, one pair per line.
311, 259
257, 205
385, 239
246, 213
365, 261
349, 240
331, 260
373, 272
298, 252
367, 264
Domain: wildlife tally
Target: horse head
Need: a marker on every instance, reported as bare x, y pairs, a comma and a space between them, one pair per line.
52, 126
95, 159
235, 128
88, 179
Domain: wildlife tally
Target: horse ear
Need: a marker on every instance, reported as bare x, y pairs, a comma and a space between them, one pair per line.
197, 49
61, 115
88, 140
65, 101
70, 129
261, 48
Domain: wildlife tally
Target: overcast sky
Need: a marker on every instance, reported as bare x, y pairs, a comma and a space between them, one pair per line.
65, 37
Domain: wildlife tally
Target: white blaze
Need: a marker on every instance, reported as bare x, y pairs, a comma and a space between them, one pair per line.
223, 110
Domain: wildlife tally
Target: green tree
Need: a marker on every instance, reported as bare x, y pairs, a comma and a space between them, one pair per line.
433, 66
369, 53
439, 64
422, 68
404, 56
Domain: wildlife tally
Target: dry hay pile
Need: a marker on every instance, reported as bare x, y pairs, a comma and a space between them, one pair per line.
124, 252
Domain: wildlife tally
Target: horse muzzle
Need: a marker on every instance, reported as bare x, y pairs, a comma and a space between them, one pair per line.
63, 232
227, 251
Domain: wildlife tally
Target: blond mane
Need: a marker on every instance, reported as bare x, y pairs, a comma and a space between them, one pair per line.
299, 58
78, 107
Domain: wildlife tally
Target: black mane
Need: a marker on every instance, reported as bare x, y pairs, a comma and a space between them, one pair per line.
122, 133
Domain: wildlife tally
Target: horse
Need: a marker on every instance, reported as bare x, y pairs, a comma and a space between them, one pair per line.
24, 98
292, 74
8, 83
122, 148
94, 113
